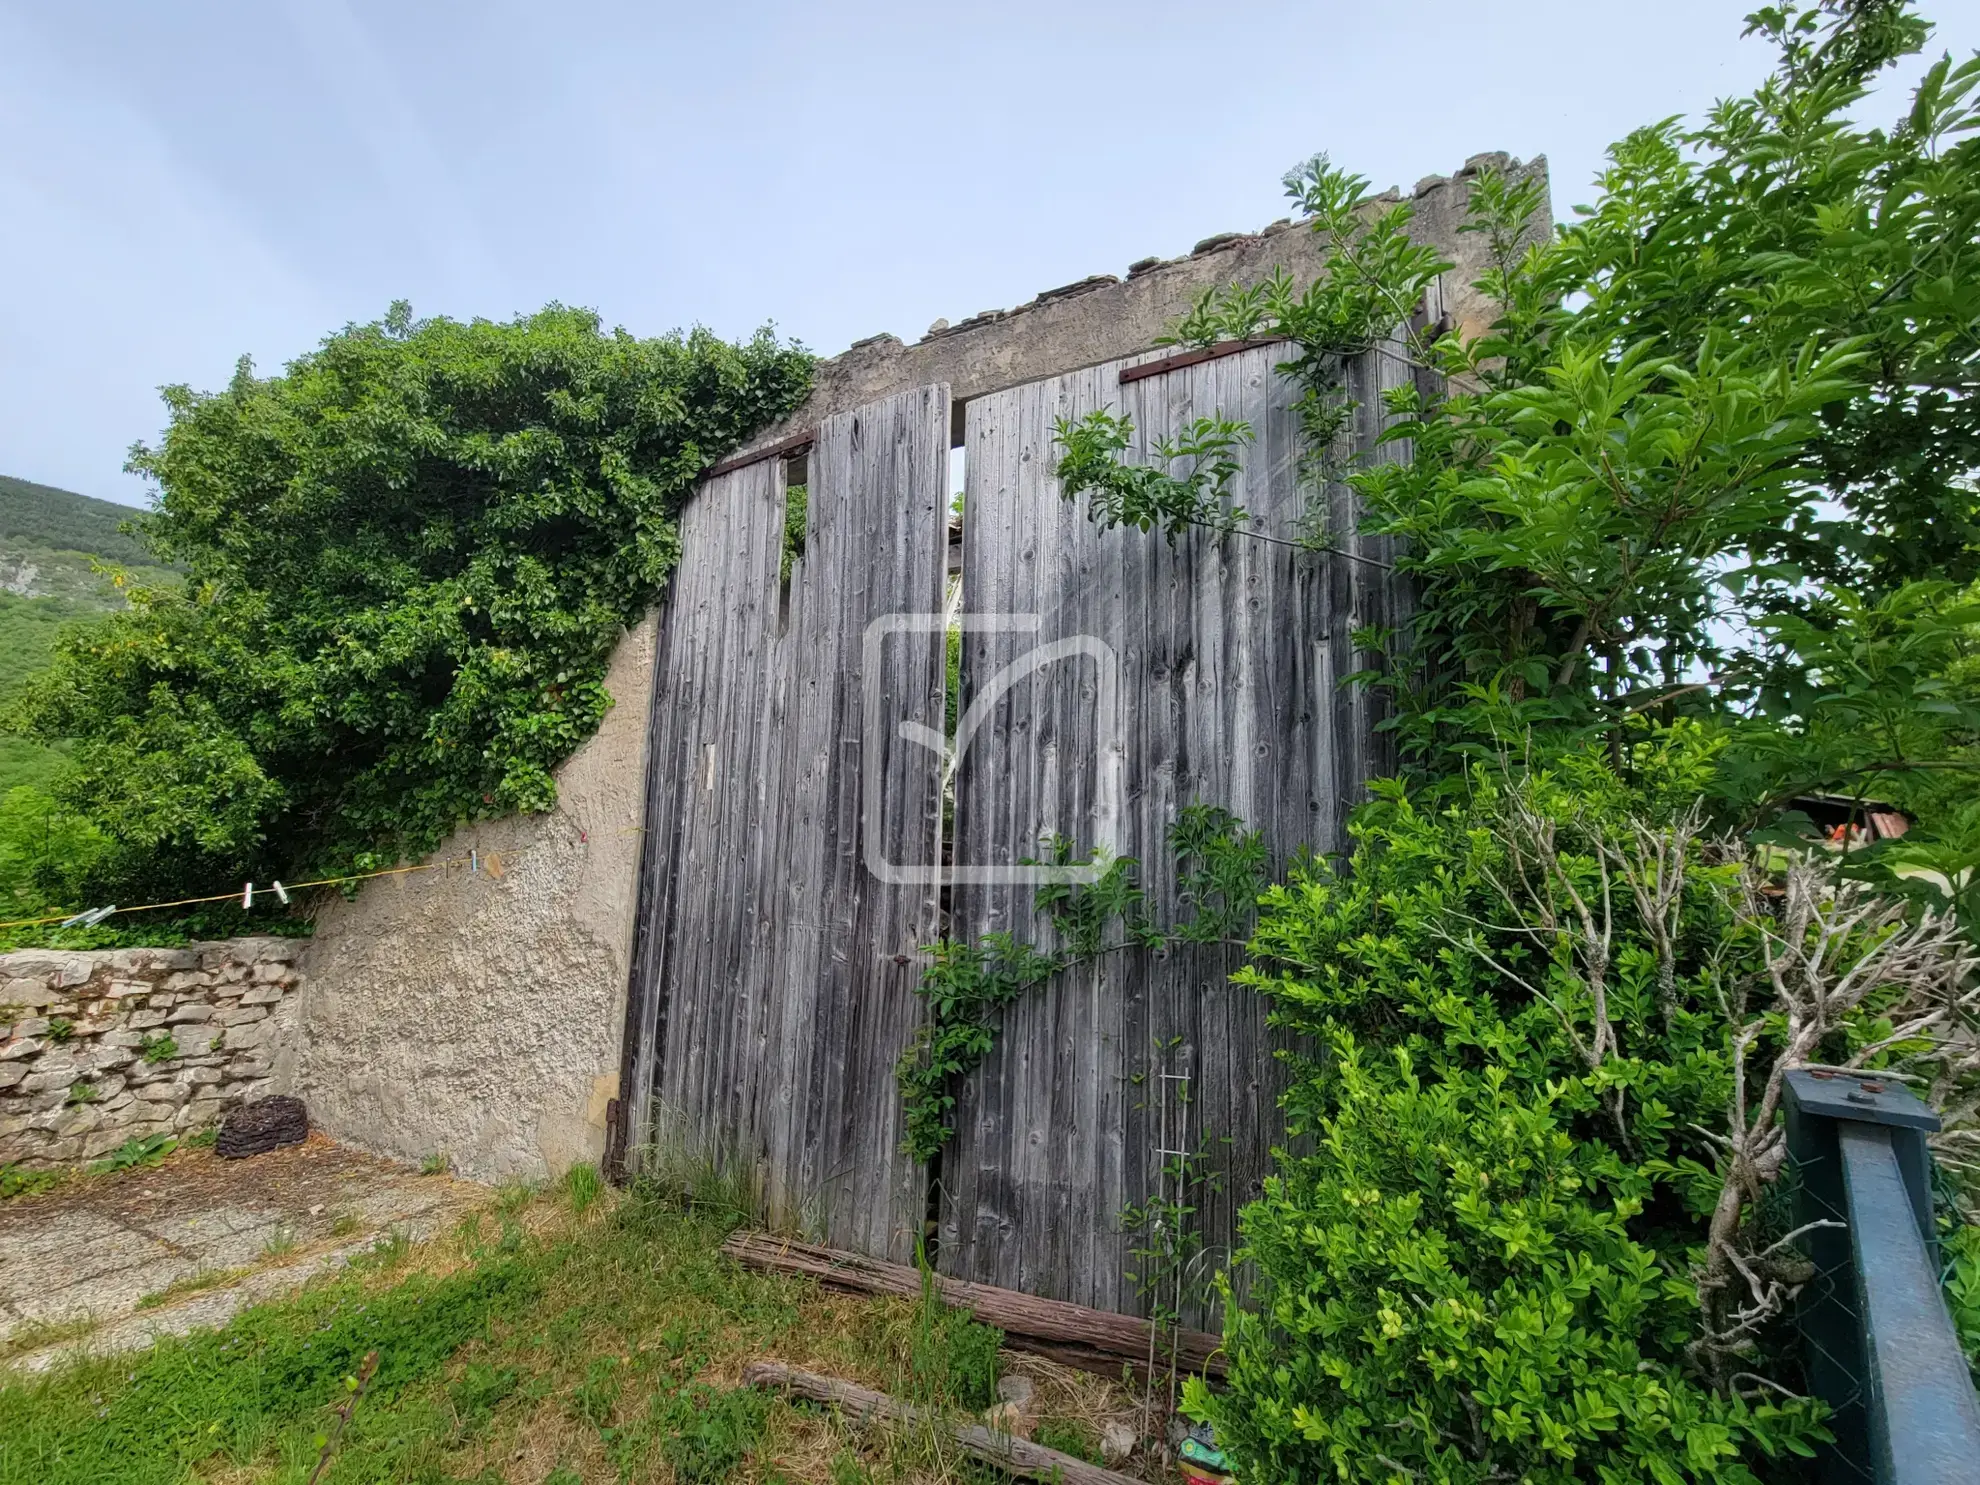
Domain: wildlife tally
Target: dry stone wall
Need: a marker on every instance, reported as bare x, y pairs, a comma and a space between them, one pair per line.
98, 1048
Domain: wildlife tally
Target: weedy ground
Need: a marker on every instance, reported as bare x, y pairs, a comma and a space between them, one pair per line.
569, 1335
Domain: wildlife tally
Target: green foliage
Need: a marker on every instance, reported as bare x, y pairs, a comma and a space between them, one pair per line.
952, 1359
1475, 1259
1069, 1436
1221, 866
796, 498
157, 929
1147, 497
1720, 418
582, 1187
1961, 1248
712, 1431
19, 1180
408, 559
156, 1049
28, 631
136, 1152
83, 1091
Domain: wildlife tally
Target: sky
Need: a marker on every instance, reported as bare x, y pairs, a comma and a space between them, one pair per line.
184, 184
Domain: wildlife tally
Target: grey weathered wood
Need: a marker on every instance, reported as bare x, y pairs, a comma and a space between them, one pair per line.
864, 1407
775, 973
1228, 653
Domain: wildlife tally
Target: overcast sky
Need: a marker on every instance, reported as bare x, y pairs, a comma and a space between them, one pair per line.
184, 182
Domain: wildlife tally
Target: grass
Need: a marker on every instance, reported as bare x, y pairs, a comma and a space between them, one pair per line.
38, 1333
585, 1335
206, 1278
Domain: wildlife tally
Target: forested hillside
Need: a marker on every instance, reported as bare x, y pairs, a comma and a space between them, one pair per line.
52, 543
57, 550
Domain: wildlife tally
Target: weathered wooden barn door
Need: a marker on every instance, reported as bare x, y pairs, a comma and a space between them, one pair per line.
773, 987
1203, 672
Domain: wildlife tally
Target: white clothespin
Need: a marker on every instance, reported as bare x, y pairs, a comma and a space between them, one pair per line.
282, 894
89, 918
247, 896
474, 861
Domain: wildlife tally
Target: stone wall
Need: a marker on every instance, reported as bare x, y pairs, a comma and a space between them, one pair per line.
75, 1029
454, 1012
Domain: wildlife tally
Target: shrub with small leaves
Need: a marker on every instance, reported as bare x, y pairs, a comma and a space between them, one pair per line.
155, 1049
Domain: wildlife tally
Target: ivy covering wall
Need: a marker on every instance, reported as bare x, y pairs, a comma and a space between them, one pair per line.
408, 559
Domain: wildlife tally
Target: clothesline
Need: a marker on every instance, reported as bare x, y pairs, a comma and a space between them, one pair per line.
475, 860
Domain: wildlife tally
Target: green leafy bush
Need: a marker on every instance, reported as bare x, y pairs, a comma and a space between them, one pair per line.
408, 560
1496, 1241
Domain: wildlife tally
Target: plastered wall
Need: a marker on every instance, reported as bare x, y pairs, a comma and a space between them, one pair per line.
459, 1013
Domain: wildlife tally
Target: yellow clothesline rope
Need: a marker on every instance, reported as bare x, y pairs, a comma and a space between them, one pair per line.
362, 876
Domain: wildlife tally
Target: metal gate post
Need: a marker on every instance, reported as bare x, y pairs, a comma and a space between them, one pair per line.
1881, 1349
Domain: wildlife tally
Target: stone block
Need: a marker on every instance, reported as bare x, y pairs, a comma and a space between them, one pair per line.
121, 989
20, 1046
189, 1012
31, 993
186, 979
199, 1113
232, 973
270, 972
240, 1015
33, 1026
262, 995
194, 1041
145, 1020
11, 1073
200, 1077
61, 1078
277, 950
241, 1038
104, 1058
168, 1093
122, 1038
79, 1120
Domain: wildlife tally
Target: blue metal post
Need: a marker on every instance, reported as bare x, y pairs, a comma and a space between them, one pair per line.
1882, 1350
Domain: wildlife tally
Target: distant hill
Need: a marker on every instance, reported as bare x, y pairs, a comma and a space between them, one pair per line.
50, 543
49, 536
60, 520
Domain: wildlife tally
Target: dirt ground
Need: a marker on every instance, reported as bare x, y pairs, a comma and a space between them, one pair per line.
108, 1262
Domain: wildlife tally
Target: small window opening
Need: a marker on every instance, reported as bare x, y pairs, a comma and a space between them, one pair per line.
797, 490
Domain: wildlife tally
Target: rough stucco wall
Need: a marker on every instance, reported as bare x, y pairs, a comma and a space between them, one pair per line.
450, 1011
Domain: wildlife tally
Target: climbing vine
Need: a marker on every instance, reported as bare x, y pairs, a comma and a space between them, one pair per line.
1220, 870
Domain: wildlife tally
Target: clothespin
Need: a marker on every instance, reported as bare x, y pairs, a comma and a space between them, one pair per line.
247, 896
282, 894
474, 861
89, 917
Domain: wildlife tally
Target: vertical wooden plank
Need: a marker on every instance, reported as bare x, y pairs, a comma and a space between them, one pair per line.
1227, 650
777, 972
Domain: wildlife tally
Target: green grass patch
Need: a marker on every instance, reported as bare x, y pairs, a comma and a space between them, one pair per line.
581, 1335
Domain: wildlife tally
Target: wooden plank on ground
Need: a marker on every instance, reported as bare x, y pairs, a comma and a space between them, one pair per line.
1095, 1339
864, 1407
